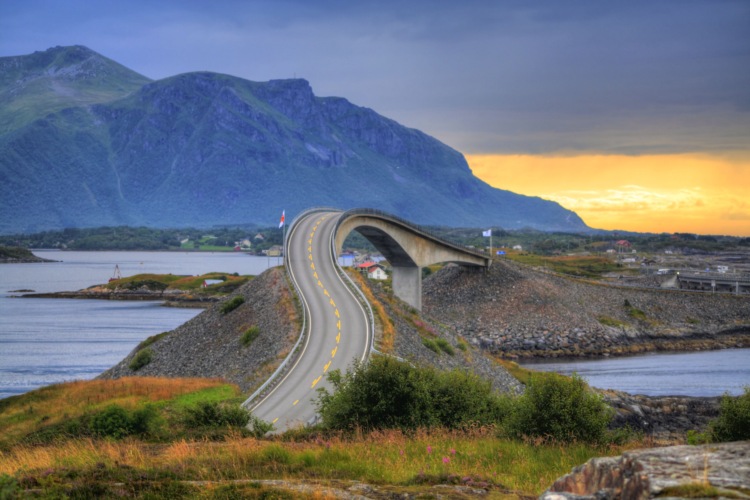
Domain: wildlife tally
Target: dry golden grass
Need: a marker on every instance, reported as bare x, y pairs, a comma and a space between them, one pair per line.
381, 458
387, 332
20, 416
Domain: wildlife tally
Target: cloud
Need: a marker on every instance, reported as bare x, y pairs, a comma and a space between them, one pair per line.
507, 77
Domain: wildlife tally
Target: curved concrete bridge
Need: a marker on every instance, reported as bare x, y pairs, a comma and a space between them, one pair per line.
406, 246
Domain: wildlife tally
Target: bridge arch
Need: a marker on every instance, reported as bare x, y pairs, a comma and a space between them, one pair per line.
407, 247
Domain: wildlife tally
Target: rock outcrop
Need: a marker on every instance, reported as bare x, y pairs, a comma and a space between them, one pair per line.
516, 311
709, 471
210, 344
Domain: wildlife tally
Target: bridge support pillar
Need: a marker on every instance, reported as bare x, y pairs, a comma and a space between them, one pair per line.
407, 285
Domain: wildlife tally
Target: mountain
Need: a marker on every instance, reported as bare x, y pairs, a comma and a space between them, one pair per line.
87, 142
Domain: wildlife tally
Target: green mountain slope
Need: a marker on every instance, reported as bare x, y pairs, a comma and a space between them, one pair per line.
202, 149
44, 82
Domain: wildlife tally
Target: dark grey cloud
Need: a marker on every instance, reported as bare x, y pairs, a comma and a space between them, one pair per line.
483, 76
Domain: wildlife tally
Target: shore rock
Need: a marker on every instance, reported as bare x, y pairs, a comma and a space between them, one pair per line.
519, 312
209, 345
660, 472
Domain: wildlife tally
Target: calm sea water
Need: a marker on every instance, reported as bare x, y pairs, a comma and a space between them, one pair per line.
46, 341
707, 373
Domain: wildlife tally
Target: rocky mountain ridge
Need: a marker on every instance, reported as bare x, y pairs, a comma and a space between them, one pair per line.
85, 142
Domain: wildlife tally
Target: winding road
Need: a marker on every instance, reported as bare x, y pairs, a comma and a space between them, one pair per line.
337, 326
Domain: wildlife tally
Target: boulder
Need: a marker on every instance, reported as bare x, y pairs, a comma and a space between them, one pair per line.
708, 471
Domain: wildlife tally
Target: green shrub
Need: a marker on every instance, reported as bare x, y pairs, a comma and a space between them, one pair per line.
141, 359
250, 335
112, 422
116, 422
445, 346
210, 414
9, 487
232, 304
431, 345
560, 408
733, 422
387, 393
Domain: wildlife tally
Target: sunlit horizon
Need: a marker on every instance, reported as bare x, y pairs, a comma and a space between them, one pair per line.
675, 193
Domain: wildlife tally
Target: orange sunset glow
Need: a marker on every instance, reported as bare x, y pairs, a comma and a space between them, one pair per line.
692, 193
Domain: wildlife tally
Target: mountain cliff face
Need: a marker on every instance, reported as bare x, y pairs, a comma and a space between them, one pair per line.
87, 142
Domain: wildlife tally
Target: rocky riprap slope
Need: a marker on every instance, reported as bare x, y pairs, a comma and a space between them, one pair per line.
209, 344
517, 311
411, 329
669, 472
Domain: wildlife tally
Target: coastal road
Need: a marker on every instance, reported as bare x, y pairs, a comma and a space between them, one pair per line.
337, 328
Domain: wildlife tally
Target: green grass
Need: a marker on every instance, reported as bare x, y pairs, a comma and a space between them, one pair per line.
249, 335
609, 321
582, 266
168, 465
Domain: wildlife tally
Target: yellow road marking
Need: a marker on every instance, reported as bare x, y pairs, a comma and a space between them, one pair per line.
312, 264
338, 324
309, 249
325, 292
274, 420
315, 382
338, 338
320, 284
336, 312
295, 403
315, 274
333, 353
312, 234
310, 256
325, 368
333, 303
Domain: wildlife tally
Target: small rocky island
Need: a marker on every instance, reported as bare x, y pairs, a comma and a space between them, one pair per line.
175, 290
18, 255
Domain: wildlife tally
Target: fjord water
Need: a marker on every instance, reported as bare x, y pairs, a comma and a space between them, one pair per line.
46, 341
705, 373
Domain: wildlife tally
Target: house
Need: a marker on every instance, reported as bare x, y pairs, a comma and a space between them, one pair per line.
376, 273
274, 251
517, 247
259, 237
207, 283
373, 270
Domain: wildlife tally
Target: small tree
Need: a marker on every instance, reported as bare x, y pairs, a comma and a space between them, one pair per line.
733, 422
560, 408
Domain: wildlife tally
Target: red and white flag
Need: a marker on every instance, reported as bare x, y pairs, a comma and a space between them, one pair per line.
281, 222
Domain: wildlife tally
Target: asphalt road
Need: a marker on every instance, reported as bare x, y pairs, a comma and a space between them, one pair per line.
338, 331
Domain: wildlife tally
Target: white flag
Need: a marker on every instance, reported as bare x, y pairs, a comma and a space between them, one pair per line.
487, 233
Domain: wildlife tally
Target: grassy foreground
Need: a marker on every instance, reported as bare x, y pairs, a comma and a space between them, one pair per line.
38, 456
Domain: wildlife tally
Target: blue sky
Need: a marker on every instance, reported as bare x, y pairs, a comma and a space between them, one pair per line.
503, 77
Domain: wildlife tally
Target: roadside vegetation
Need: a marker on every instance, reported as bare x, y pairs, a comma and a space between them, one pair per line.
188, 438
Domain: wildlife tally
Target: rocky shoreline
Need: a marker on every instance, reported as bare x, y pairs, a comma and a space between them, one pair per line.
171, 298
517, 312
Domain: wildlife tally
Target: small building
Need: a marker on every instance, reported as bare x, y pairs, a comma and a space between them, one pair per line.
376, 273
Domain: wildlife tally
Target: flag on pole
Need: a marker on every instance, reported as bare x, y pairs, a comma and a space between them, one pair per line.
487, 233
281, 222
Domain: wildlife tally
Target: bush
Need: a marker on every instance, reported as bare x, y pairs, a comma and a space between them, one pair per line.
733, 422
250, 335
116, 422
560, 408
232, 304
386, 393
141, 359
210, 414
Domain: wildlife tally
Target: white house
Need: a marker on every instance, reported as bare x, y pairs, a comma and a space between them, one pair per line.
376, 273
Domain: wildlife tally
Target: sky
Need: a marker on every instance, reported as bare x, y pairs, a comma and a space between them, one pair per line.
635, 114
